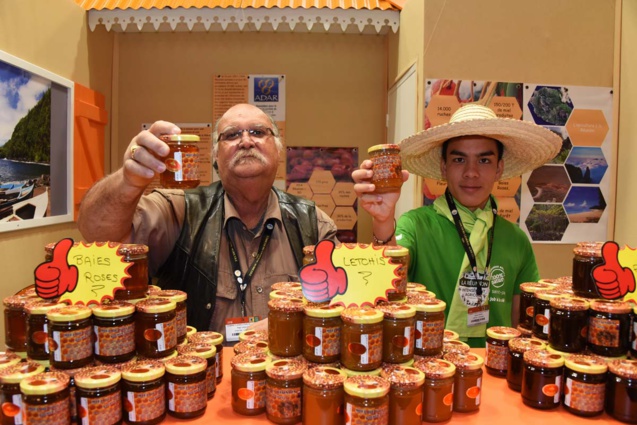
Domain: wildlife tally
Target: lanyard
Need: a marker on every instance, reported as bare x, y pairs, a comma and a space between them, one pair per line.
463, 234
241, 280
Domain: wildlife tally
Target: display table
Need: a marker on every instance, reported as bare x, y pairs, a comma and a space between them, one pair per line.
500, 405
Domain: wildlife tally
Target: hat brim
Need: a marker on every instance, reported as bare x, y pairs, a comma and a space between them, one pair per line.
526, 145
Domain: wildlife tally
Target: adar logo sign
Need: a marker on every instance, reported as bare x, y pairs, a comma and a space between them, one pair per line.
266, 89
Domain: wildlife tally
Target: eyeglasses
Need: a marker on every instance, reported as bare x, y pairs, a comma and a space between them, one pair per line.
256, 133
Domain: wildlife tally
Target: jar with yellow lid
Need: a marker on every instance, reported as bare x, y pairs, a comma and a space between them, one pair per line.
155, 327
515, 359
206, 351
248, 383
283, 391
405, 394
586, 255
114, 330
609, 327
186, 386
366, 400
251, 345
99, 394
216, 339
285, 326
568, 329
527, 302
70, 336
542, 312
467, 393
8, 358
144, 392
362, 338
398, 256
584, 385
37, 327
10, 378
387, 167
495, 359
450, 335
621, 402
182, 162
15, 321
181, 313
430, 327
45, 399
399, 331
322, 333
72, 393
542, 379
136, 285
438, 389
323, 395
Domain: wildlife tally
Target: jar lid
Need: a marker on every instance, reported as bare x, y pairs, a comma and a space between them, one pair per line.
393, 310
251, 345
285, 294
185, 365
586, 364
19, 301
455, 346
69, 313
308, 249
436, 368
143, 370
502, 333
430, 305
155, 305
250, 362
289, 305
191, 330
198, 349
214, 338
450, 335
172, 294
569, 303
9, 359
520, 344
324, 311
253, 335
465, 361
16, 373
588, 249
350, 372
44, 383
549, 294
414, 285
132, 249
97, 377
362, 315
403, 377
322, 377
153, 289
42, 306
114, 309
533, 287
183, 138
366, 386
296, 286
611, 306
624, 368
285, 369
543, 358
385, 146
386, 367
395, 251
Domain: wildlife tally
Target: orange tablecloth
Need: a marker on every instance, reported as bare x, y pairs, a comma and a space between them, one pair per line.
500, 405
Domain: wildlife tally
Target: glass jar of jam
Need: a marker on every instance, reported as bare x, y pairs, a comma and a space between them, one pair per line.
586, 255
542, 379
495, 359
405, 394
186, 386
542, 312
455, 346
37, 327
179, 297
323, 396
45, 399
253, 335
430, 327
398, 256
584, 384
362, 338
308, 255
621, 390
366, 400
248, 383
15, 322
322, 333
515, 359
387, 168
208, 352
527, 302
144, 392
155, 327
99, 395
216, 339
283, 391
182, 163
114, 330
285, 327
136, 286
70, 336
251, 345
399, 331
437, 390
467, 381
10, 378
568, 329
609, 327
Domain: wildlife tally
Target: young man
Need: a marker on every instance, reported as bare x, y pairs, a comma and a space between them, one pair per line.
459, 248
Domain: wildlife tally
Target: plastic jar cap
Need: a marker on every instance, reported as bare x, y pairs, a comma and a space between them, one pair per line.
172, 294
349, 372
533, 287
185, 365
69, 313
286, 294
286, 369
393, 310
450, 335
9, 359
16, 373
249, 345
366, 386
132, 250
184, 138
286, 285
253, 335
18, 301
143, 371
611, 306
624, 368
567, 302
588, 249
386, 146
214, 338
549, 294
503, 333
465, 361
436, 368
250, 362
403, 377
396, 251
544, 358
586, 364
324, 377
431, 305
199, 349
325, 311
520, 345
98, 377
362, 315
155, 305
42, 306
44, 383
115, 309
190, 330
290, 305
455, 346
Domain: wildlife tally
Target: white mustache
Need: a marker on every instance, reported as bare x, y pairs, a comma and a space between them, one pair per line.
250, 153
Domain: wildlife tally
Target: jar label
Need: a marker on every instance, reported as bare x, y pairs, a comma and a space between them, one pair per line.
186, 398
553, 389
145, 406
603, 332
359, 415
184, 165
101, 410
404, 342
496, 356
12, 409
387, 167
253, 394
182, 325
372, 348
211, 379
283, 402
431, 334
583, 396
543, 319
72, 345
163, 334
114, 341
326, 341
57, 413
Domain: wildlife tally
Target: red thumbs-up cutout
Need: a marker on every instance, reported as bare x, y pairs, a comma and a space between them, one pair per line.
612, 279
54, 278
321, 280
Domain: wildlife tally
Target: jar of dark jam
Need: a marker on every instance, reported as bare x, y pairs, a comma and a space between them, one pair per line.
399, 331
542, 315
322, 333
99, 395
45, 399
362, 338
568, 329
398, 256
155, 327
323, 396
207, 352
586, 255
366, 400
114, 330
253, 335
285, 327
11, 397
515, 359
609, 327
405, 394
248, 383
467, 392
136, 286
216, 339
387, 168
621, 390
182, 163
430, 327
15, 322
70, 336
497, 351
584, 385
308, 255
186, 386
144, 392
37, 328
437, 390
250, 346
179, 297
283, 391
542, 379
527, 302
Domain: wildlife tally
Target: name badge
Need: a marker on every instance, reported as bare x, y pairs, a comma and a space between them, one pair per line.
478, 315
473, 289
236, 325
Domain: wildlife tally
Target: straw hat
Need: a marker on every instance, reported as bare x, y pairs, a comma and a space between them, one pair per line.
526, 145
